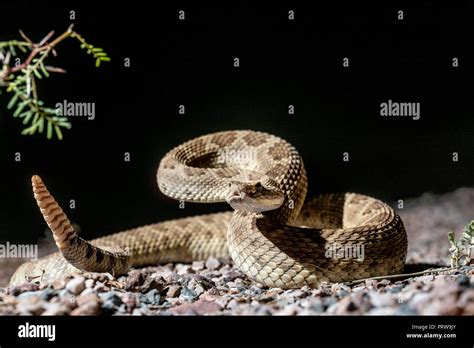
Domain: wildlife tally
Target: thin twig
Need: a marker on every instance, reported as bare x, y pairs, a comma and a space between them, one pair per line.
403, 275
46, 38
23, 35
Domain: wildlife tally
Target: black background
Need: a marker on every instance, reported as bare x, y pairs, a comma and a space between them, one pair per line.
282, 62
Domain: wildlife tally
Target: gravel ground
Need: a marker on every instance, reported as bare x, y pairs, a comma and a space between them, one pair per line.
215, 287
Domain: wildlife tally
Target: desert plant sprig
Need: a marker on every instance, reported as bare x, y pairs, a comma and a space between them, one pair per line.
20, 80
461, 250
460, 256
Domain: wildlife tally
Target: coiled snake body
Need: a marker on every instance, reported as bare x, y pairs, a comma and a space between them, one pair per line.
274, 235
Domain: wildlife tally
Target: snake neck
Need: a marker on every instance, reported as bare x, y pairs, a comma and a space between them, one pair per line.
294, 185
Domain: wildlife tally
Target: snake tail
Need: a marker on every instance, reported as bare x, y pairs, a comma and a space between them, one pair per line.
74, 249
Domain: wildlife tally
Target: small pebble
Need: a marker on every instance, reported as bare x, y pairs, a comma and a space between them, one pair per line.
89, 283
76, 285
188, 294
153, 297
173, 291
212, 263
463, 280
198, 265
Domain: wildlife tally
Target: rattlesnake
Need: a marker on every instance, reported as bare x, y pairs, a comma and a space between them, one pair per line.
274, 235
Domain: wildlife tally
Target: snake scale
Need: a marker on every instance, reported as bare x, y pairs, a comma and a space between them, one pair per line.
275, 235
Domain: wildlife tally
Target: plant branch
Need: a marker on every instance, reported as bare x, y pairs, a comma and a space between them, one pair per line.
21, 80
403, 275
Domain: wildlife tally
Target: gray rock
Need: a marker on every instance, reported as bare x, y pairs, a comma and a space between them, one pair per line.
184, 269
328, 301
446, 306
419, 300
394, 290
405, 309
89, 283
85, 299
317, 308
28, 295
88, 308
196, 287
135, 279
153, 297
200, 307
188, 294
342, 293
381, 300
111, 296
198, 265
76, 285
292, 309
151, 283
109, 307
31, 304
46, 294
466, 298
87, 291
56, 309
130, 300
232, 304
463, 280
212, 263
231, 276
382, 311
16, 290
64, 293
99, 287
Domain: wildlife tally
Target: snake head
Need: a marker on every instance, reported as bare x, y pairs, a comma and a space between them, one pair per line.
255, 196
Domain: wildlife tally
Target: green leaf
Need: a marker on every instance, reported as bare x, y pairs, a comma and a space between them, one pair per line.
65, 125
43, 69
20, 108
51, 111
58, 132
97, 62
30, 130
41, 125
105, 59
12, 49
12, 101
28, 116
37, 74
23, 114
49, 133
35, 119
